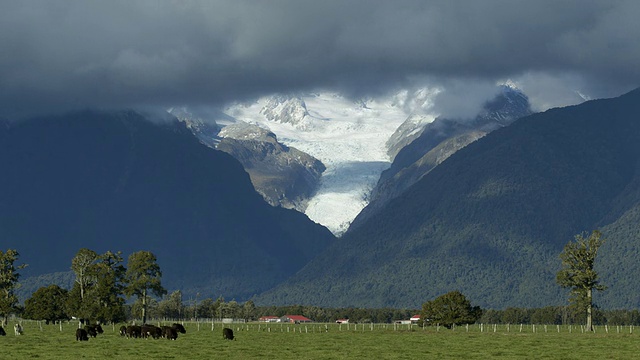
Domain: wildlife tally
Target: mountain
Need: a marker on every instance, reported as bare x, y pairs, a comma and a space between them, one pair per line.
347, 135
201, 123
492, 219
432, 143
283, 175
116, 181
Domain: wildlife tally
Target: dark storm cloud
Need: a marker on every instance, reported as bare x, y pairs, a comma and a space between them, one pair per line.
56, 55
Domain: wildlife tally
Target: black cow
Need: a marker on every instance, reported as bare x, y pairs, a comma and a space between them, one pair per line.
170, 333
2, 332
151, 330
179, 328
123, 330
93, 330
134, 331
82, 335
227, 334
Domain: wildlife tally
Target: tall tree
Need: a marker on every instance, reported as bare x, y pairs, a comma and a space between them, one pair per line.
578, 273
9, 282
450, 309
47, 303
83, 265
142, 277
107, 292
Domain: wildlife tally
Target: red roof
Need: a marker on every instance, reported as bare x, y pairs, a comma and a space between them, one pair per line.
297, 318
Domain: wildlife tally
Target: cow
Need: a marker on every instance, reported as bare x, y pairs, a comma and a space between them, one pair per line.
93, 330
151, 330
82, 335
2, 332
227, 334
170, 333
179, 328
17, 329
123, 330
134, 331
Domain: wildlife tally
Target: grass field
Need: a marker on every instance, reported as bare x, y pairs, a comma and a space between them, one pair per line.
276, 341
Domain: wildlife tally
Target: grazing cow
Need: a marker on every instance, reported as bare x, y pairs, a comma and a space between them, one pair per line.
134, 331
151, 330
227, 334
17, 329
2, 332
179, 328
91, 331
82, 335
123, 330
170, 333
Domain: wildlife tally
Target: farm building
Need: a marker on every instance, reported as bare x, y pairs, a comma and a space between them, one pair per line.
415, 318
298, 319
269, 319
342, 321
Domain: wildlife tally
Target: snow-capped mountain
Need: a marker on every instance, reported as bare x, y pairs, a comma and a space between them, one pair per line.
356, 139
283, 175
348, 136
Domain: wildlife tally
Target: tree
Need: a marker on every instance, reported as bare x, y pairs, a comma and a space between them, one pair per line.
248, 310
171, 306
143, 276
47, 303
8, 283
578, 274
207, 308
98, 288
450, 309
106, 294
83, 265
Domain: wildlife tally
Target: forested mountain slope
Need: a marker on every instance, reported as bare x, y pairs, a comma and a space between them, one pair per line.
491, 220
115, 181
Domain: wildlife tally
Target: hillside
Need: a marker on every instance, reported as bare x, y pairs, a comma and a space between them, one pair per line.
491, 220
437, 141
283, 175
115, 181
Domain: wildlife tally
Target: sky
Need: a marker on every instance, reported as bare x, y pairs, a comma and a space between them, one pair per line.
67, 54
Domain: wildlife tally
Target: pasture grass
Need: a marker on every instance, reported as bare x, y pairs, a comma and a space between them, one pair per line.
312, 341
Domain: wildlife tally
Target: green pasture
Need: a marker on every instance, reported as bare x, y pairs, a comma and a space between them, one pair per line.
331, 341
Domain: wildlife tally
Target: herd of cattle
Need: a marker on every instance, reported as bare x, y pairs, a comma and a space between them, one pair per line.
132, 331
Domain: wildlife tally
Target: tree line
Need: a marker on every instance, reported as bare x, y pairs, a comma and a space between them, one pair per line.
102, 285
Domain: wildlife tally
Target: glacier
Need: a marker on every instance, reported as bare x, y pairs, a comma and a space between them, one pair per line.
349, 136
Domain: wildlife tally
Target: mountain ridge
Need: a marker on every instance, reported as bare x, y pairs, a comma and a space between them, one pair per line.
115, 181
491, 220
